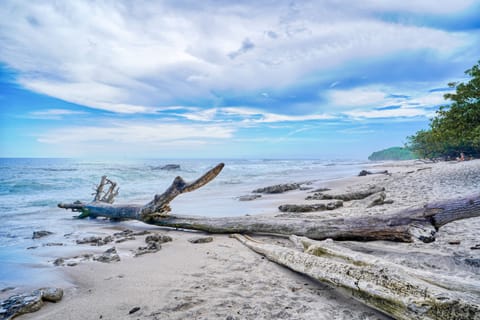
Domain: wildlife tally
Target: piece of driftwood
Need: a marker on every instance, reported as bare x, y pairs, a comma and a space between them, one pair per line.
400, 292
102, 206
421, 223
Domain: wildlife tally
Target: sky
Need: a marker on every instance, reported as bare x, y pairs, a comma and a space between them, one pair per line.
325, 79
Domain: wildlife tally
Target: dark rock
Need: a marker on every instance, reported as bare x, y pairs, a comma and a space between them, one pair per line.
346, 196
154, 242
320, 190
41, 234
53, 244
25, 303
279, 188
249, 197
59, 262
134, 310
365, 172
7, 289
169, 167
52, 294
200, 239
141, 233
157, 237
124, 233
151, 247
454, 242
95, 241
331, 205
110, 255
124, 239
474, 262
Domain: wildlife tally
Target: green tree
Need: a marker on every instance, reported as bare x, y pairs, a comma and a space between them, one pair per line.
456, 126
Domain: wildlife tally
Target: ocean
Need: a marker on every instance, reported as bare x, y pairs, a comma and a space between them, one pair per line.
31, 188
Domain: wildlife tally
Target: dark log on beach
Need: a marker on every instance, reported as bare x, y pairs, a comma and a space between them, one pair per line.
421, 223
399, 291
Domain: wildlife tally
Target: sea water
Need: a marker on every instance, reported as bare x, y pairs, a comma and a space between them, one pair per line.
31, 188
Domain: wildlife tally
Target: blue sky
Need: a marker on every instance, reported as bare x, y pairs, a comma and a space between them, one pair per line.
221, 79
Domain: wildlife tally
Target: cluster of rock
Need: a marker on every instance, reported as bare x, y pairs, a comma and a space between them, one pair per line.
275, 189
279, 188
28, 302
154, 244
327, 205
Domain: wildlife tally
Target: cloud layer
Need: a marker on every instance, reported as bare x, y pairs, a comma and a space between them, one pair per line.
241, 65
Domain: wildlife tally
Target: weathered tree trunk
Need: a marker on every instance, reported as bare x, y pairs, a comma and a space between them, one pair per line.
400, 292
421, 223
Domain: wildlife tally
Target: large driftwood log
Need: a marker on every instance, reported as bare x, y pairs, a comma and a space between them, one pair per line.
398, 291
101, 206
421, 223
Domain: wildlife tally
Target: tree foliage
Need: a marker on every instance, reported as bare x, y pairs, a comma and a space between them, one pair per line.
456, 126
394, 153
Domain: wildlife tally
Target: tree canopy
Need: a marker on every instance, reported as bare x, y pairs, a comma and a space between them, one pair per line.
394, 153
455, 128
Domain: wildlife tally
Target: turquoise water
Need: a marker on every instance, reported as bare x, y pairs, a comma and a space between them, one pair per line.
31, 188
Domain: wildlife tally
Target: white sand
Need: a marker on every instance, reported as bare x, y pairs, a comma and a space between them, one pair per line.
224, 280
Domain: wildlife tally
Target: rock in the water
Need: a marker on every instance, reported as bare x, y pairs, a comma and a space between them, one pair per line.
249, 197
110, 255
59, 262
330, 205
169, 167
201, 239
279, 188
41, 234
474, 262
25, 303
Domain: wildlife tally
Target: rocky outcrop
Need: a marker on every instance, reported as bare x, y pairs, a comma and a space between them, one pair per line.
346, 196
279, 188
168, 167
200, 239
249, 197
25, 303
328, 205
41, 234
366, 173
110, 255
154, 244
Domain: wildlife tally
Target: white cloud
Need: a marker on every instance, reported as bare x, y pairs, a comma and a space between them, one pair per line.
54, 114
131, 133
357, 97
391, 113
248, 116
128, 57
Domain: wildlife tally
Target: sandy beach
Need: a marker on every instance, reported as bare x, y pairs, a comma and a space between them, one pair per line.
223, 279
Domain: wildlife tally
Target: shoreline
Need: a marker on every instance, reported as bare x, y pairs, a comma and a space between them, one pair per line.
222, 278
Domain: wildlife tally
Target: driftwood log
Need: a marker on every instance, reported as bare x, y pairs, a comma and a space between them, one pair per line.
405, 226
398, 291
